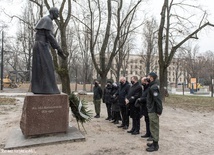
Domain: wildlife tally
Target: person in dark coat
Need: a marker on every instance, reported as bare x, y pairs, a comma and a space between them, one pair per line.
115, 104
124, 109
107, 99
43, 78
97, 98
135, 92
142, 101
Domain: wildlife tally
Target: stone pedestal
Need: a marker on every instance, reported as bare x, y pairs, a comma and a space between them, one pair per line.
44, 114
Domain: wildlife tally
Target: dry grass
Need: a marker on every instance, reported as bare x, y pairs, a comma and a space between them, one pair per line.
7, 101
191, 103
87, 98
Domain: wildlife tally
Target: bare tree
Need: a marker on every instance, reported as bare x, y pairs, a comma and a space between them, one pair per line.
178, 63
149, 44
119, 67
173, 27
102, 64
192, 61
208, 67
20, 51
84, 53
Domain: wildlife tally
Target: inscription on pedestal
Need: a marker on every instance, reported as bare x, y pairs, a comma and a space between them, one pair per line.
44, 114
45, 109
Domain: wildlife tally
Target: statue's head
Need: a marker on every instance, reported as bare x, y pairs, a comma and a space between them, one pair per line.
54, 12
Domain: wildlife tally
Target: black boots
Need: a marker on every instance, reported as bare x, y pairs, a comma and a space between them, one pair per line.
97, 116
145, 136
116, 118
130, 131
135, 132
116, 122
152, 146
109, 118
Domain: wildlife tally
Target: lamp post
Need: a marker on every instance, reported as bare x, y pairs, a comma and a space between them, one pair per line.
2, 55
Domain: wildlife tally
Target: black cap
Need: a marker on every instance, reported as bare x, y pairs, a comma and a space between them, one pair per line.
109, 82
153, 74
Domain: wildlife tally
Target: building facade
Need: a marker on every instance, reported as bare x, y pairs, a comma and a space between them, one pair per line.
136, 65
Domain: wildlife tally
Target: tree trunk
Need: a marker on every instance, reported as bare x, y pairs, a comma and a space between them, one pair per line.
103, 79
118, 70
84, 85
64, 76
64, 72
147, 65
163, 81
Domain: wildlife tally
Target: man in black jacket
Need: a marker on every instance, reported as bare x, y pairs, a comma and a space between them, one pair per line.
154, 106
115, 105
142, 100
135, 92
107, 99
122, 93
97, 98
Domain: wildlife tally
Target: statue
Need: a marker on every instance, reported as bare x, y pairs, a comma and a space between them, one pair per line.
43, 79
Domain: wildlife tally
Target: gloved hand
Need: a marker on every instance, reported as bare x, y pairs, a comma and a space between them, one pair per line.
61, 54
138, 100
137, 103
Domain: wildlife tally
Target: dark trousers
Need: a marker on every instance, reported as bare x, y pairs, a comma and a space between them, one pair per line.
146, 118
136, 124
108, 106
125, 115
117, 115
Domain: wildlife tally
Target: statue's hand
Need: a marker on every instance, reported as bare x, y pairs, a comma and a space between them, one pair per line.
61, 54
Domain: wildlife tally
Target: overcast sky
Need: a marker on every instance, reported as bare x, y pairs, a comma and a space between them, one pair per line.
206, 37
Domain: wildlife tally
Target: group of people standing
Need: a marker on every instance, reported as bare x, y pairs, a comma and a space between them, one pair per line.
124, 101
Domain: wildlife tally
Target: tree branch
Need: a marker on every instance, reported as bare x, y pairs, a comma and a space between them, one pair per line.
191, 36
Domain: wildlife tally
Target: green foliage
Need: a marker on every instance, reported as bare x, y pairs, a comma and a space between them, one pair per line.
74, 104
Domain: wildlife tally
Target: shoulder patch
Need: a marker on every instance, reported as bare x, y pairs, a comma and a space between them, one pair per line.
155, 93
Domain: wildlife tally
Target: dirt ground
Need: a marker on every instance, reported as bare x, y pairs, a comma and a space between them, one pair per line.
181, 133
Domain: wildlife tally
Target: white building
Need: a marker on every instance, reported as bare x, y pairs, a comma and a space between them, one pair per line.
136, 66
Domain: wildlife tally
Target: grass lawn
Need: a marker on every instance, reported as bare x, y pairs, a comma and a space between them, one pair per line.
190, 103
